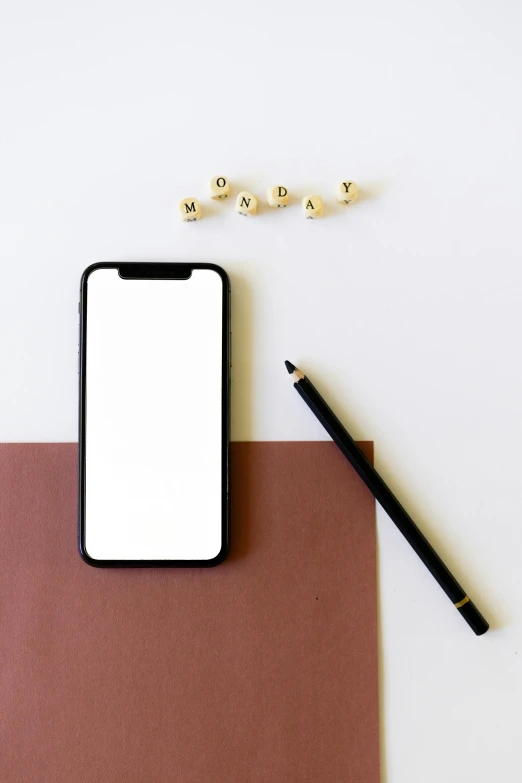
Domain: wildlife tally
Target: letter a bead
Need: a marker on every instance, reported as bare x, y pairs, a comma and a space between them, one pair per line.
278, 196
347, 192
219, 188
189, 210
246, 203
312, 207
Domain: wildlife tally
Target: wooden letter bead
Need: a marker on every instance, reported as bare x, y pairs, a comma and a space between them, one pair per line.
347, 192
246, 203
219, 188
278, 196
189, 210
312, 207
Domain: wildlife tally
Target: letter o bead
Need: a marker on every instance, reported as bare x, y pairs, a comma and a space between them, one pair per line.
189, 210
219, 188
312, 207
347, 192
246, 203
278, 196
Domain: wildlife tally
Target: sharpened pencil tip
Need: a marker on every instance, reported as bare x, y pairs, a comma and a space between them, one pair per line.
290, 367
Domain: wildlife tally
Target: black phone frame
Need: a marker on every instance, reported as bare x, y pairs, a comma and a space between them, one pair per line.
157, 271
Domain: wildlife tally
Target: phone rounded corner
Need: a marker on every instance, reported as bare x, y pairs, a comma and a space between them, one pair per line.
221, 556
87, 559
89, 271
221, 272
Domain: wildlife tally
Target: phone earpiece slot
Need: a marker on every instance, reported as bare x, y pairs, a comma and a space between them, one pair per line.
137, 271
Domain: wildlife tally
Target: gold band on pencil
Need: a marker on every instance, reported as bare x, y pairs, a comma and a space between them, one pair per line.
461, 603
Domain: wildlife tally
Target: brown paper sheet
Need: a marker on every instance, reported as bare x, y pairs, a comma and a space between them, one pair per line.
263, 669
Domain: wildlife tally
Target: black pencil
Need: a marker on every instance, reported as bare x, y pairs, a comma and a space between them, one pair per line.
388, 501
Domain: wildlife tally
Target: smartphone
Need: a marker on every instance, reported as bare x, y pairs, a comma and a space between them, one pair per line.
154, 419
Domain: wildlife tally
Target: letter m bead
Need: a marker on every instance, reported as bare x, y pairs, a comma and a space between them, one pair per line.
189, 210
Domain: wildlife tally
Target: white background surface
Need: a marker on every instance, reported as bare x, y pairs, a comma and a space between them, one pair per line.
405, 308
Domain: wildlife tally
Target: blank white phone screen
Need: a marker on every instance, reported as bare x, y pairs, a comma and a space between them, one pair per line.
153, 417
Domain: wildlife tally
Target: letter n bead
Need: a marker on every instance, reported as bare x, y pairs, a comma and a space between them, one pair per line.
347, 192
312, 207
189, 210
246, 203
219, 188
278, 196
